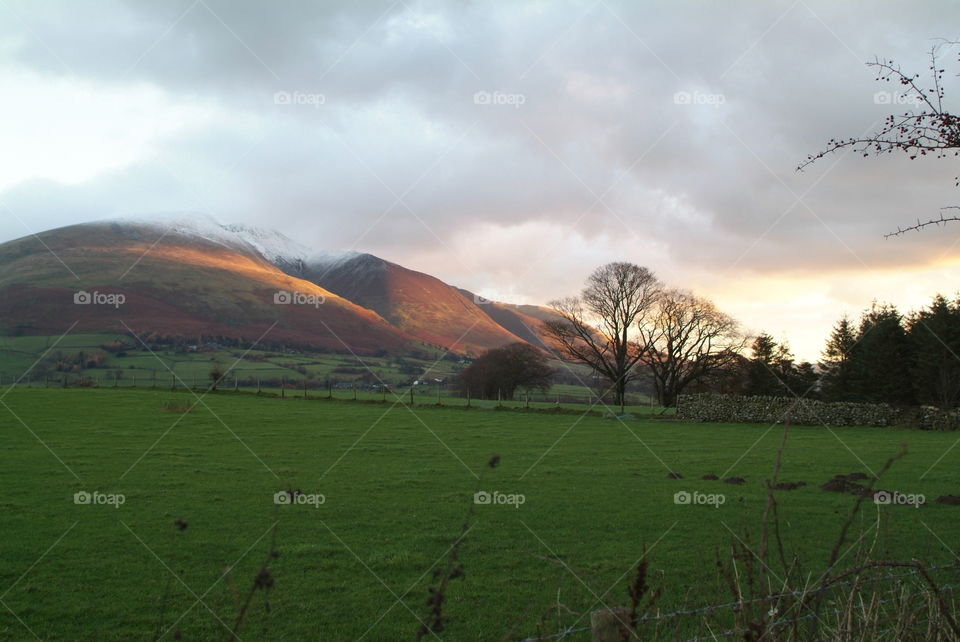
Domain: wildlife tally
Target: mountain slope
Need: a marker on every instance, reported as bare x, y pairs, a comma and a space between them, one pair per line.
189, 275
523, 321
175, 279
420, 305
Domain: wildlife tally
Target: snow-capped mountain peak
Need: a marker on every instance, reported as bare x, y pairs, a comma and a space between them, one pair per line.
272, 245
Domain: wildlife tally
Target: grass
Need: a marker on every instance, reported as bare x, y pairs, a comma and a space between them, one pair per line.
397, 484
17, 354
167, 368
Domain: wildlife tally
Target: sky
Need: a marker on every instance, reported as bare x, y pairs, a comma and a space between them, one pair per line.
506, 147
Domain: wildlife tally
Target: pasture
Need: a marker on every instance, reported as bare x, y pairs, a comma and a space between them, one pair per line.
83, 359
397, 483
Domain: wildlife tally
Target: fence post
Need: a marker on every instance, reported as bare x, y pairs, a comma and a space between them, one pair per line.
411, 395
282, 388
499, 398
468, 396
304, 387
354, 386
610, 625
236, 383
438, 394
526, 400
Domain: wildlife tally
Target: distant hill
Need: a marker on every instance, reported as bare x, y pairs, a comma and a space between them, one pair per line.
190, 276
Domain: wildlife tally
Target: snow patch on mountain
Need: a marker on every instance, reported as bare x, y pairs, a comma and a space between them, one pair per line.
327, 260
271, 245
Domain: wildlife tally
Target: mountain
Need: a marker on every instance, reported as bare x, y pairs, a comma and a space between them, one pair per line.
416, 303
523, 321
189, 276
183, 279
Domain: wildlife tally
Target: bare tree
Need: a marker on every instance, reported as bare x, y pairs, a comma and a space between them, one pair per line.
930, 129
596, 326
684, 339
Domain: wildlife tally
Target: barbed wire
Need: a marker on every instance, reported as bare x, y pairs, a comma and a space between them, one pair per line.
781, 623
557, 636
738, 603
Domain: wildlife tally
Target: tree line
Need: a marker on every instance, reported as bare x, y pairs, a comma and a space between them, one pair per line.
887, 357
627, 326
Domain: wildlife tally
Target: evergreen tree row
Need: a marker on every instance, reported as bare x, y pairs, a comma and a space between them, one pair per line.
886, 357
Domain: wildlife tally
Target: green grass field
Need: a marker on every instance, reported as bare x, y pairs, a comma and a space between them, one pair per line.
18, 354
137, 366
398, 483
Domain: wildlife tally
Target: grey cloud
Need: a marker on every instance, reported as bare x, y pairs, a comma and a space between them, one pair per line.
598, 83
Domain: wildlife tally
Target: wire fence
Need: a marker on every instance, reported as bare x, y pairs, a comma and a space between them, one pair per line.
779, 624
422, 394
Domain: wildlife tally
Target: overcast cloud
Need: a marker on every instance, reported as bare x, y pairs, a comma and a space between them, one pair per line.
506, 147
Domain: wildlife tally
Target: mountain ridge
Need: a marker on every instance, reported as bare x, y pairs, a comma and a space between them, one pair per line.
190, 274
